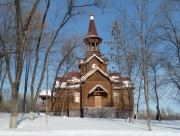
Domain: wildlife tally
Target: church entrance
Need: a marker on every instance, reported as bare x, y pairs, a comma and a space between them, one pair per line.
98, 92
98, 101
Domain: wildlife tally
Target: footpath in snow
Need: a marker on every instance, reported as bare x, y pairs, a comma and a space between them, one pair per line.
58, 126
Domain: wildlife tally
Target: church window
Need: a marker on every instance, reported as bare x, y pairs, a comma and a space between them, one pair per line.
116, 97
77, 97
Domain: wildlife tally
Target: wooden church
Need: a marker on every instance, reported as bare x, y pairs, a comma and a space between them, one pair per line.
93, 92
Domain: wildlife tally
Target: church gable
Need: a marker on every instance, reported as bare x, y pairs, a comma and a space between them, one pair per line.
98, 77
94, 56
91, 72
93, 63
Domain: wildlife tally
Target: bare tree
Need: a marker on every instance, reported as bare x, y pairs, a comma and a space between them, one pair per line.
171, 38
156, 64
72, 58
20, 27
69, 58
121, 54
141, 11
31, 38
141, 29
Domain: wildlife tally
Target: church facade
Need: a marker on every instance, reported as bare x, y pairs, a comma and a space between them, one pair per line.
93, 92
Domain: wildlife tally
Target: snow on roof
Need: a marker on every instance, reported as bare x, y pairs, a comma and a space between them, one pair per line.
43, 93
81, 61
94, 55
75, 80
98, 85
114, 80
116, 87
91, 72
57, 84
64, 85
126, 83
83, 78
74, 86
115, 77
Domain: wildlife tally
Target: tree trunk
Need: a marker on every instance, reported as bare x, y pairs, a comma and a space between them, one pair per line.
47, 92
139, 96
24, 101
158, 116
32, 109
68, 103
14, 110
26, 83
1, 87
1, 103
123, 105
131, 119
146, 93
64, 100
31, 115
145, 78
62, 112
137, 110
147, 105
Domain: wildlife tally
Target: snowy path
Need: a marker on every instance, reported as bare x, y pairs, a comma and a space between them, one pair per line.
86, 127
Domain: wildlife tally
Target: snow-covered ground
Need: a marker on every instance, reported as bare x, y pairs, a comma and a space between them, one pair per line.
86, 127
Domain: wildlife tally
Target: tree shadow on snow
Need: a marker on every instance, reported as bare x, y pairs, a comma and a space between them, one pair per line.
163, 125
166, 127
36, 117
120, 122
22, 119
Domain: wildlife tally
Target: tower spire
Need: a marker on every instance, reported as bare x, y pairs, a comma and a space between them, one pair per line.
92, 27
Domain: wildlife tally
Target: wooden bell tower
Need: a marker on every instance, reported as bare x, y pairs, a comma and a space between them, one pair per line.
92, 40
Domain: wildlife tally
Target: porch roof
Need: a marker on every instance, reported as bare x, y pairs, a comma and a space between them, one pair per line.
95, 87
